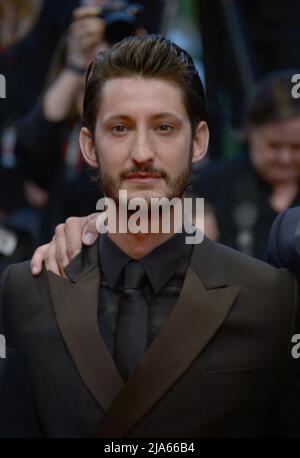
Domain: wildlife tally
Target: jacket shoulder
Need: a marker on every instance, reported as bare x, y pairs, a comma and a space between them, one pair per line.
241, 267
266, 289
20, 291
18, 279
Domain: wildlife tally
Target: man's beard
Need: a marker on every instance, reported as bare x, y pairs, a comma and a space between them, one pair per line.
110, 185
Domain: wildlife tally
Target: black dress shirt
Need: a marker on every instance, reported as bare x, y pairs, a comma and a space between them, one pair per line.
165, 268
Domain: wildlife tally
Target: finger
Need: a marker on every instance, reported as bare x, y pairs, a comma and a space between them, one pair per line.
37, 259
73, 230
90, 231
89, 34
86, 11
61, 247
90, 24
89, 43
50, 259
91, 27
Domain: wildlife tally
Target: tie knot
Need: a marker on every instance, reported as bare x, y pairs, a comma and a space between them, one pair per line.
134, 275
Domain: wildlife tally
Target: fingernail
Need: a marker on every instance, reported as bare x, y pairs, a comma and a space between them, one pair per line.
88, 238
34, 269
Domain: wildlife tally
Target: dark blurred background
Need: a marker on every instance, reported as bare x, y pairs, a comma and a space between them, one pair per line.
246, 52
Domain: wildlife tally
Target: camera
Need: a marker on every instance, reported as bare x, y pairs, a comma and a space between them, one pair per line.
121, 19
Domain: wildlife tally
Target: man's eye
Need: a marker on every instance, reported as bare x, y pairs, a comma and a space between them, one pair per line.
119, 129
164, 128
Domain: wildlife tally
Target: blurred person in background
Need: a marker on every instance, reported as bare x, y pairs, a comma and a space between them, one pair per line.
248, 192
29, 32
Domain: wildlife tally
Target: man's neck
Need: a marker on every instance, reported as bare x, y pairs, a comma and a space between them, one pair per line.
140, 244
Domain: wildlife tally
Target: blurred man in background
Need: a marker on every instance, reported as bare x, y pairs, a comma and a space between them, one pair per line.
29, 33
247, 193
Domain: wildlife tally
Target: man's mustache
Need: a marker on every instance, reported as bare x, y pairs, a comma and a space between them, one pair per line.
144, 169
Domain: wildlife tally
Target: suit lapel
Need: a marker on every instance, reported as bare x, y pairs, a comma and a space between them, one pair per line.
202, 307
76, 307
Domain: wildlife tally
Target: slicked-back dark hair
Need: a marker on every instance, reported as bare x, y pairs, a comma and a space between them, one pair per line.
150, 56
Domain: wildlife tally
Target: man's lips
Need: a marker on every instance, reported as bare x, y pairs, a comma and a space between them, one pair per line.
143, 176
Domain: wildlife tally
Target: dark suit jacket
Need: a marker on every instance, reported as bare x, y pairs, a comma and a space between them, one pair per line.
17, 418
216, 369
284, 240
284, 251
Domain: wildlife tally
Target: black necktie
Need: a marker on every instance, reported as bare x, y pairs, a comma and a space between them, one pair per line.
131, 335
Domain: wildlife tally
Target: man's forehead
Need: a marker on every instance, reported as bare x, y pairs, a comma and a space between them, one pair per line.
126, 93
279, 128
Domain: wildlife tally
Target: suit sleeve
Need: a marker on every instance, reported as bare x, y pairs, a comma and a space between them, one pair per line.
17, 415
292, 390
290, 399
284, 241
3, 283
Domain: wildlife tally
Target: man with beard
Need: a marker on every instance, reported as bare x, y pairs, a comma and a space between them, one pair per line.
147, 336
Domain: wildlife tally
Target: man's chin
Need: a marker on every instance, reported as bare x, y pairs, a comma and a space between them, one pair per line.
284, 178
127, 194
147, 195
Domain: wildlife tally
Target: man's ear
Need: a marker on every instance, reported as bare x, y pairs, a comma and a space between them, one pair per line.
201, 140
87, 146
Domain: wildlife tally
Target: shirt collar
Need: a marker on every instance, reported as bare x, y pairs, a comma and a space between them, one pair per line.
112, 260
160, 264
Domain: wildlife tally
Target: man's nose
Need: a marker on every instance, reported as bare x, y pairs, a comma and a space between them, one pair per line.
142, 147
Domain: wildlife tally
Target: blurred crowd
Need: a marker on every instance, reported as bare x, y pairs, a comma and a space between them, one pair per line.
45, 50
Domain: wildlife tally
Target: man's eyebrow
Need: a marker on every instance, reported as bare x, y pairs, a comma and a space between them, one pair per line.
117, 117
167, 114
124, 117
